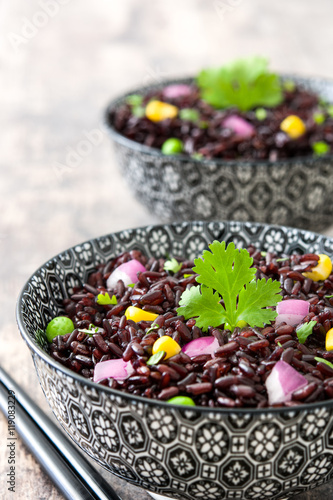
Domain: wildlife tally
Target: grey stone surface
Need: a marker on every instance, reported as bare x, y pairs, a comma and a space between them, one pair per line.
61, 61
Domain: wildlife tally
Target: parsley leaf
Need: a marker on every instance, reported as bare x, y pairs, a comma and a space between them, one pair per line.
245, 84
172, 265
304, 331
227, 273
104, 299
322, 360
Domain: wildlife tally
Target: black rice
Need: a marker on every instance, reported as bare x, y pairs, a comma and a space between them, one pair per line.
236, 376
209, 139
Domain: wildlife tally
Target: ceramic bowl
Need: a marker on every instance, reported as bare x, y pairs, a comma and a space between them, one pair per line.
296, 192
183, 453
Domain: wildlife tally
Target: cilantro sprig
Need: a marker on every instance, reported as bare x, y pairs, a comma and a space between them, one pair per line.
325, 361
226, 273
172, 265
244, 84
104, 299
305, 330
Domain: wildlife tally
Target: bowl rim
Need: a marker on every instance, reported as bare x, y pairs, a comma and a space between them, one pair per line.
134, 399
156, 153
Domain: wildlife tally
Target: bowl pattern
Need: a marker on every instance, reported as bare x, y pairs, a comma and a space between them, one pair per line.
182, 453
296, 192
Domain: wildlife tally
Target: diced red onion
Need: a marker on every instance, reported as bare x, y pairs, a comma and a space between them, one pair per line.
127, 272
282, 382
241, 127
113, 368
202, 345
291, 311
176, 90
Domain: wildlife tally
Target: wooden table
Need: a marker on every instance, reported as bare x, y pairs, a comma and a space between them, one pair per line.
60, 65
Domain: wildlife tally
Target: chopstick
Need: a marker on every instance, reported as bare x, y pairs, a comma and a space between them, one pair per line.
66, 467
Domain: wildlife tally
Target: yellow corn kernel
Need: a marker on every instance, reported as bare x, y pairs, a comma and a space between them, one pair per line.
157, 111
322, 270
329, 340
293, 126
168, 345
136, 314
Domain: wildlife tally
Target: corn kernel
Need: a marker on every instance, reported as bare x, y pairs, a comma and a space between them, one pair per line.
157, 111
329, 340
293, 126
136, 314
168, 345
322, 270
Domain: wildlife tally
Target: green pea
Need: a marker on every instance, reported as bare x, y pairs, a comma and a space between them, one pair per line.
58, 326
319, 118
181, 400
172, 146
320, 148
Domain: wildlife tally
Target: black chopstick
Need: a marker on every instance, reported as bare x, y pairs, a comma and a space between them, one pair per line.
68, 469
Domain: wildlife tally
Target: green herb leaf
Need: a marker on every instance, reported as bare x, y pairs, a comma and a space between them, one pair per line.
227, 273
318, 117
104, 299
172, 265
330, 110
90, 331
134, 100
254, 302
156, 358
245, 84
304, 331
153, 326
328, 296
204, 306
188, 114
261, 114
131, 285
40, 338
188, 275
279, 344
138, 111
283, 259
320, 148
289, 85
322, 360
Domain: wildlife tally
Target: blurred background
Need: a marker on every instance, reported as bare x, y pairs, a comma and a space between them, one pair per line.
61, 62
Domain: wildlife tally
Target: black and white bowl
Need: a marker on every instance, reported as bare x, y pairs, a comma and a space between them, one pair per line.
296, 192
180, 453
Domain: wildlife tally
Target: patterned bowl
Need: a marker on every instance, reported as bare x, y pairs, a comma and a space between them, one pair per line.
296, 192
169, 450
